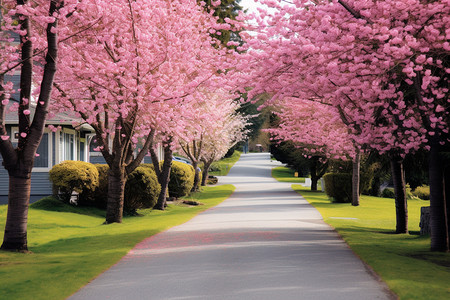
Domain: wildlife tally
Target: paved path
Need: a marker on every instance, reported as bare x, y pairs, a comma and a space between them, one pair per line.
264, 242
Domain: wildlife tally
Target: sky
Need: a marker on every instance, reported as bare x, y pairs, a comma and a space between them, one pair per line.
248, 4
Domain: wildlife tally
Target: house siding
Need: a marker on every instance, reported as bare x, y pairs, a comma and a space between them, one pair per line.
40, 186
97, 160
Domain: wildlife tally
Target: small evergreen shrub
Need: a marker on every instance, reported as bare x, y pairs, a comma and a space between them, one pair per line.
215, 167
73, 176
388, 193
339, 186
141, 190
181, 179
365, 181
212, 180
422, 192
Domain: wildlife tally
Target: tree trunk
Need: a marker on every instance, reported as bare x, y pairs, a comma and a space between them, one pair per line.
447, 196
164, 178
317, 170
314, 180
401, 206
15, 237
313, 171
116, 189
195, 187
205, 174
356, 178
19, 162
438, 210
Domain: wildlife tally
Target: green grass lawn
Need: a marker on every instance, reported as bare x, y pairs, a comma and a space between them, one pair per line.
403, 261
285, 174
223, 166
71, 248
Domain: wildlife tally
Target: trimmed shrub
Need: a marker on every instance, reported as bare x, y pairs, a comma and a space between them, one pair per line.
212, 179
365, 181
422, 192
100, 196
339, 186
181, 179
141, 190
73, 176
388, 193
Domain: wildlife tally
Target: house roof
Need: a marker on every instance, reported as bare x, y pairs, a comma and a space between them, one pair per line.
58, 119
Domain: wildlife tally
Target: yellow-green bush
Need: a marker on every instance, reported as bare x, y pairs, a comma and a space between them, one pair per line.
181, 179
141, 190
339, 186
100, 196
423, 192
73, 176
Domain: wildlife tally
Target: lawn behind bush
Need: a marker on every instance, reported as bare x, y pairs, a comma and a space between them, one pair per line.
70, 246
223, 166
403, 261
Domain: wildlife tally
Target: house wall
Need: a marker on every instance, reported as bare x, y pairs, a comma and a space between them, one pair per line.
40, 183
40, 186
56, 152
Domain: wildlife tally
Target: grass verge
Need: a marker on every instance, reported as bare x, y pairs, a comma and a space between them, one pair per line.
223, 166
285, 174
71, 248
403, 261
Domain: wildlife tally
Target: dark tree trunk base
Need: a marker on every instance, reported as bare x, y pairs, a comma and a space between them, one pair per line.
116, 188
15, 247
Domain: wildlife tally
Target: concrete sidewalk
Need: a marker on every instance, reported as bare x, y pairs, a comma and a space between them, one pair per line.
264, 242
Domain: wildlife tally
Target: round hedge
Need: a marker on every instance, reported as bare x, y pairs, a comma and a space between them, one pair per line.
141, 190
339, 186
73, 176
181, 179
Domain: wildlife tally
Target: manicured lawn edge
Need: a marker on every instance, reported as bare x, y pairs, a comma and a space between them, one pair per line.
224, 165
70, 249
402, 261
285, 174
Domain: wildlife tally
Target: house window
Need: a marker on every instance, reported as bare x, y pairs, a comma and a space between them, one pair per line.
41, 160
43, 152
67, 145
82, 149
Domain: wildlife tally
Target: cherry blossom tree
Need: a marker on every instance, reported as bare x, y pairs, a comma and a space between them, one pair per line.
317, 129
134, 63
383, 64
215, 128
18, 161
